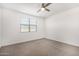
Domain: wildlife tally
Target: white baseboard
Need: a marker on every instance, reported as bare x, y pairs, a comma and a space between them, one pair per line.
19, 42
73, 44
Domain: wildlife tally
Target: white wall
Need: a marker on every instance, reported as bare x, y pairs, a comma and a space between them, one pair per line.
64, 27
0, 25
11, 28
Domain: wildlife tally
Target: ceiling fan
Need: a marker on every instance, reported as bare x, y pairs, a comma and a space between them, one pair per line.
44, 7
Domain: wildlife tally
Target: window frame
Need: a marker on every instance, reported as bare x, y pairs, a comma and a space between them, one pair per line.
29, 27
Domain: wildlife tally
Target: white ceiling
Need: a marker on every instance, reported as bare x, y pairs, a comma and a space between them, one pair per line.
32, 8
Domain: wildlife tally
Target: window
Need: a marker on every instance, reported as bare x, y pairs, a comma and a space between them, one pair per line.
28, 25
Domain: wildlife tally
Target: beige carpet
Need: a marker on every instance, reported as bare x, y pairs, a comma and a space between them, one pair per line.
41, 47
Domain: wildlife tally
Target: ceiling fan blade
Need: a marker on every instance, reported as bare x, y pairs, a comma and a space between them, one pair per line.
42, 4
47, 9
47, 4
39, 10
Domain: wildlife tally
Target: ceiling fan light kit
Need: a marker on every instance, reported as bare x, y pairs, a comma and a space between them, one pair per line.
42, 9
